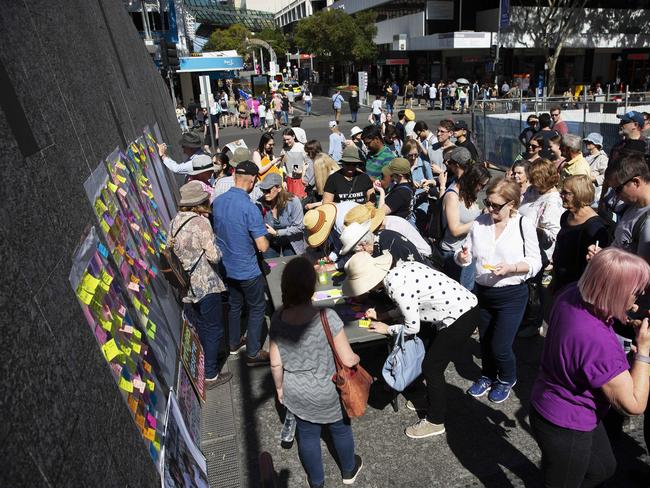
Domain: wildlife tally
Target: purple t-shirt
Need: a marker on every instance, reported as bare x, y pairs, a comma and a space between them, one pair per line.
581, 354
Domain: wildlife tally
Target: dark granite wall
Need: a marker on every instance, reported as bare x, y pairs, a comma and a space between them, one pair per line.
75, 82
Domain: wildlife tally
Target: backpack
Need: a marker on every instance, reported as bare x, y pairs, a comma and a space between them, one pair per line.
171, 266
435, 229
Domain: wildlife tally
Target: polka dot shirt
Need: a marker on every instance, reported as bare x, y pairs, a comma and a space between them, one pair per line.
423, 294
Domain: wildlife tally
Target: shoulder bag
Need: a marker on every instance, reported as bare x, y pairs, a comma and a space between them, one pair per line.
534, 304
352, 383
404, 363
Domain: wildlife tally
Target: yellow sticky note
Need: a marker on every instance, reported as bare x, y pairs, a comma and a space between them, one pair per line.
156, 444
151, 326
364, 323
107, 325
105, 280
100, 207
136, 347
126, 350
151, 334
136, 303
112, 187
104, 226
121, 178
89, 282
84, 296
110, 350
146, 236
145, 311
120, 165
149, 434
151, 385
125, 384
117, 318
137, 334
336, 292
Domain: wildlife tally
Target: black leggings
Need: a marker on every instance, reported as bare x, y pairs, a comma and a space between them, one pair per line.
572, 458
442, 348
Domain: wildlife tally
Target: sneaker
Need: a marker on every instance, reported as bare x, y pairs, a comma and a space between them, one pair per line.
480, 387
500, 391
220, 379
350, 477
234, 350
260, 359
423, 428
530, 331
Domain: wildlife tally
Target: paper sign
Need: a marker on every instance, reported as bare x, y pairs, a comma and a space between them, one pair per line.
364, 323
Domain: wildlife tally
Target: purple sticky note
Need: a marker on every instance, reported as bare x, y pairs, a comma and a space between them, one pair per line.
272, 265
151, 420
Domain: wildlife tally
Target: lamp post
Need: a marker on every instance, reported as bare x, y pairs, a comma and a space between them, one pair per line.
618, 70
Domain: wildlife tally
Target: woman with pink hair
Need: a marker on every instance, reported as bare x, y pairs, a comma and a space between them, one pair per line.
584, 370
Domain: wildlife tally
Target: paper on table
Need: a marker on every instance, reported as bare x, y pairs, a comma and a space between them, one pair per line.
327, 294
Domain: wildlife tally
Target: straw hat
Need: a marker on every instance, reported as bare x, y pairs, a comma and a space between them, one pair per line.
192, 193
318, 223
352, 234
409, 114
363, 213
363, 272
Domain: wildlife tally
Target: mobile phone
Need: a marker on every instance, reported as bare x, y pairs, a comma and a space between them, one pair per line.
295, 168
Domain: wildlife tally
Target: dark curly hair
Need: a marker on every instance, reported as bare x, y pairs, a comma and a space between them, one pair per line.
298, 282
470, 183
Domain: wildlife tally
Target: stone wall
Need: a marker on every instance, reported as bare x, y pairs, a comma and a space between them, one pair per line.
75, 82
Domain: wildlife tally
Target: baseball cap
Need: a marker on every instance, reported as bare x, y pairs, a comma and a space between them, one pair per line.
273, 179
332, 124
632, 116
398, 166
247, 168
461, 124
458, 155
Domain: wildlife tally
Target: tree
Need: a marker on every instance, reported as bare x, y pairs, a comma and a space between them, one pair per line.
276, 38
550, 23
338, 38
233, 37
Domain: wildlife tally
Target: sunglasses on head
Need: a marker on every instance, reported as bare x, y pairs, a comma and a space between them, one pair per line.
494, 206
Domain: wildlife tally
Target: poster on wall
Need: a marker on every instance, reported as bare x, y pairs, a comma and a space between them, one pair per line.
119, 227
123, 343
184, 464
192, 358
190, 405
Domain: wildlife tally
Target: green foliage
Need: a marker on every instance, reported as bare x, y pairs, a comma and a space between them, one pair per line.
226, 39
337, 37
276, 38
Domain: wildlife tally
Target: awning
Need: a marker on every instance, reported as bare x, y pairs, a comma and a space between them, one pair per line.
214, 13
207, 64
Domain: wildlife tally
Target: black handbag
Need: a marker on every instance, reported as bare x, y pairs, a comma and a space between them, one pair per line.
534, 304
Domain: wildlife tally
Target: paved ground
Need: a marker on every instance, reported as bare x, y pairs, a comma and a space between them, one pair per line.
485, 444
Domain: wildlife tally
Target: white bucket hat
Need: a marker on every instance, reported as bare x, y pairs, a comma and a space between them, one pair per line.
363, 272
352, 234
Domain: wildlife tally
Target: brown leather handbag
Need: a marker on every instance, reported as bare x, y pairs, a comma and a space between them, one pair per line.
353, 383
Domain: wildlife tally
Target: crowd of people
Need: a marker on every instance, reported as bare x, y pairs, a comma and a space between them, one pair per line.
396, 206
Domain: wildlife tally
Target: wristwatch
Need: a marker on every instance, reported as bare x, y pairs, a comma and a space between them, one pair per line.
642, 358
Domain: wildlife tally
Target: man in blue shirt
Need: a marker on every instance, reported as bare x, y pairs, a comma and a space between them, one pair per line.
241, 233
337, 103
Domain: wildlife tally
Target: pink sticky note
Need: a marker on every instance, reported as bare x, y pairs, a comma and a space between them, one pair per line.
100, 334
122, 310
151, 420
272, 265
133, 286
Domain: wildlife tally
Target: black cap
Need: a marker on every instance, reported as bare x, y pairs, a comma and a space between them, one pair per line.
247, 168
461, 124
191, 140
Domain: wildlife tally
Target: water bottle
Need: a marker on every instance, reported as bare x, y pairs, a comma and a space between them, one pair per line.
288, 431
322, 273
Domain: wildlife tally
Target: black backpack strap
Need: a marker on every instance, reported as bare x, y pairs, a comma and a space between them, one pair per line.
636, 231
521, 231
174, 234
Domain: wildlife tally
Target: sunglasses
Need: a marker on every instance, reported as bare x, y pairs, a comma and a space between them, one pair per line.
411, 156
494, 206
555, 115
619, 188
534, 145
267, 190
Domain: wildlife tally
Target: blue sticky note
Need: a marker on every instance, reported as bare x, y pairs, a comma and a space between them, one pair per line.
102, 250
154, 269
153, 204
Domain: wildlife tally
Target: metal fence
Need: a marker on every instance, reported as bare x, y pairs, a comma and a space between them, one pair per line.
497, 123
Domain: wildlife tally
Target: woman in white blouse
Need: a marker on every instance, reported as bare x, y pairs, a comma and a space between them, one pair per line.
544, 209
420, 294
503, 244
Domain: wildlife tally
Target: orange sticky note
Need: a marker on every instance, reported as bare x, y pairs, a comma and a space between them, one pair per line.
149, 434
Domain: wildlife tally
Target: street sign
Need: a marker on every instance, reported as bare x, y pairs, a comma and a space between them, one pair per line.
206, 90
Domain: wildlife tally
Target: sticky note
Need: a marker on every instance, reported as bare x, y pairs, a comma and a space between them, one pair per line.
147, 367
151, 326
133, 403
151, 385
100, 207
149, 434
121, 310
105, 279
102, 250
112, 187
121, 178
146, 236
151, 334
137, 347
136, 303
110, 350
151, 420
364, 323
125, 384
104, 226
139, 420
120, 165
137, 334
89, 282
145, 311
107, 325
337, 273
121, 192
133, 286
139, 384
84, 296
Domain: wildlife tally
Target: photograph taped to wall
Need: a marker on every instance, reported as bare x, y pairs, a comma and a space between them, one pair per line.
190, 404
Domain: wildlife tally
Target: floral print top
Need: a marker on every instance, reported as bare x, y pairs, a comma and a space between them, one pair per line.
195, 244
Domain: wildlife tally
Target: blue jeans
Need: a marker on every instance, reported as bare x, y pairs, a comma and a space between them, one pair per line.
275, 251
501, 312
252, 293
465, 275
308, 108
353, 116
310, 452
208, 320
285, 117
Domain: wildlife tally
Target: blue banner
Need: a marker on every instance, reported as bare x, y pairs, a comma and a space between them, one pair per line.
504, 21
196, 64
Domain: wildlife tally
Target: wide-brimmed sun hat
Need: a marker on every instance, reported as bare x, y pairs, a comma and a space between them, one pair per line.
318, 223
355, 130
201, 164
240, 155
595, 138
191, 140
409, 114
363, 272
350, 155
192, 193
363, 213
352, 234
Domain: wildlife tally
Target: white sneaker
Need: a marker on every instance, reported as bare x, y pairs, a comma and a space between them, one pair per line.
423, 428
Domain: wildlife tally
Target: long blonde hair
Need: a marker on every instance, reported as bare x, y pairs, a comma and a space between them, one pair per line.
324, 166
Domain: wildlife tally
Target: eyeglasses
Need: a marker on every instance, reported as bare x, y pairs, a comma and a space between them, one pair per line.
442, 131
619, 188
555, 115
266, 191
411, 156
534, 145
494, 206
